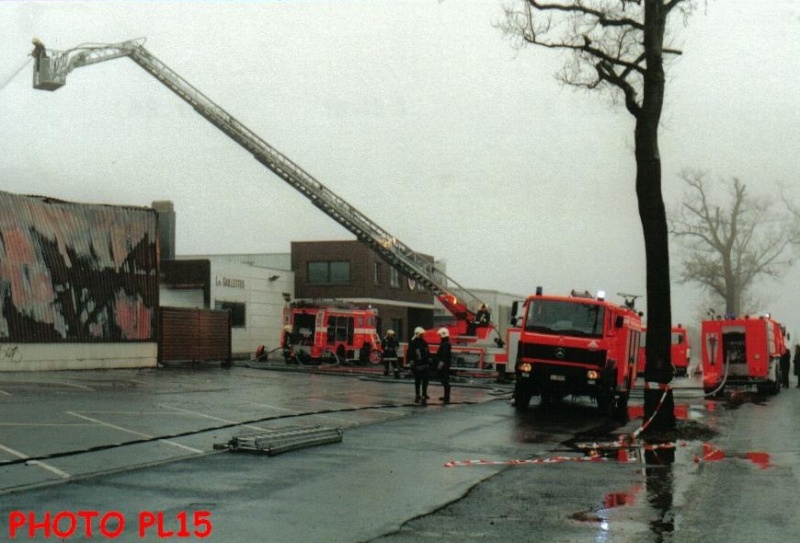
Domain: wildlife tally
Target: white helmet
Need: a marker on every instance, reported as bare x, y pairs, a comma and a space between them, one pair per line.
419, 330
443, 332
287, 328
389, 332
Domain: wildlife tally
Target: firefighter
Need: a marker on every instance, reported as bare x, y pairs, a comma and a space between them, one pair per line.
288, 346
443, 360
786, 362
390, 345
261, 353
482, 319
483, 316
797, 364
418, 359
39, 52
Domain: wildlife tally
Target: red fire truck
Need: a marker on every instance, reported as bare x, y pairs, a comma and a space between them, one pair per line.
333, 330
681, 351
742, 352
577, 345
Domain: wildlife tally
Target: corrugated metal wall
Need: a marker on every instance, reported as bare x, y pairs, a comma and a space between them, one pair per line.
74, 272
189, 334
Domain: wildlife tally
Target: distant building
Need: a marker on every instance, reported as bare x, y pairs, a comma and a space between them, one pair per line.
78, 285
242, 284
351, 271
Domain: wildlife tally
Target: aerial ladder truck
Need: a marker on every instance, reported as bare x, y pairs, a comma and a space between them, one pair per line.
474, 350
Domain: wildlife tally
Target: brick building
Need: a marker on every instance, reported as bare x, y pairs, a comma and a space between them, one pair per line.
349, 270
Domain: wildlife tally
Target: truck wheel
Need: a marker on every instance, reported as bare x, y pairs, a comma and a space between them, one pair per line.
621, 408
605, 397
522, 398
375, 357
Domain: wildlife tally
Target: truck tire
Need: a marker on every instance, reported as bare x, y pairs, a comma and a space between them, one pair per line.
605, 395
522, 397
621, 407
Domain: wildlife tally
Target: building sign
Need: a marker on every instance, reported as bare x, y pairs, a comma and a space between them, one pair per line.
228, 282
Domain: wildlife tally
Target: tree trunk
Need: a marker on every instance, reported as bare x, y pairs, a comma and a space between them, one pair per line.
658, 401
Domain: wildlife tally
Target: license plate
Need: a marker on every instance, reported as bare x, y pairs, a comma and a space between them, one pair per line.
558, 378
526, 374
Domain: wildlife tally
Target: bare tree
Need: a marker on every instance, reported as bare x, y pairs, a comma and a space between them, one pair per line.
619, 46
727, 246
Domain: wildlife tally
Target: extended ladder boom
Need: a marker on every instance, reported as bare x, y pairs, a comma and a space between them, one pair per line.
50, 73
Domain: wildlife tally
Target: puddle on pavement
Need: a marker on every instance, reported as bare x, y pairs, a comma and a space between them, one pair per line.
663, 467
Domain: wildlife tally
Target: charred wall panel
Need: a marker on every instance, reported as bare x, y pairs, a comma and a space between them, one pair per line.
189, 334
74, 272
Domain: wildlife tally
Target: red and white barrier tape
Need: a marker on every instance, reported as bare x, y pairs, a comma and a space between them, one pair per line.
551, 460
665, 387
623, 444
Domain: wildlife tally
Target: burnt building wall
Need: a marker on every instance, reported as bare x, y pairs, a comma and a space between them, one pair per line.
76, 273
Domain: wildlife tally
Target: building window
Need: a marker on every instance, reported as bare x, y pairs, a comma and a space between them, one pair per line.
378, 273
237, 310
394, 278
335, 272
397, 326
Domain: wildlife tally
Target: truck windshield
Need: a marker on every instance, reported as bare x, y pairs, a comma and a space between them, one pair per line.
565, 318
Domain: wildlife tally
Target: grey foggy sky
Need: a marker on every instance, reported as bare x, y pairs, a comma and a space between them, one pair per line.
419, 113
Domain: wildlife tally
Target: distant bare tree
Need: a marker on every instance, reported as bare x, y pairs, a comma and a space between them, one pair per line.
619, 46
726, 246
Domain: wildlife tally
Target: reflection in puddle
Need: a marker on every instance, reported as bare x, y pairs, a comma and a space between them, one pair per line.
681, 412
659, 492
711, 453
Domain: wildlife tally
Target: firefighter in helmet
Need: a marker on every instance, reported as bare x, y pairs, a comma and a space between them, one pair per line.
443, 359
418, 359
39, 52
288, 346
390, 345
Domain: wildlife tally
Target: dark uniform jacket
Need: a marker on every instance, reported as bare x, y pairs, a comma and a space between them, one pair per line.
418, 356
390, 345
444, 357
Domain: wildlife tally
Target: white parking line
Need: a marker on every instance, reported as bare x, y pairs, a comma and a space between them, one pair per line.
134, 432
42, 424
48, 467
37, 463
182, 411
4, 393
107, 424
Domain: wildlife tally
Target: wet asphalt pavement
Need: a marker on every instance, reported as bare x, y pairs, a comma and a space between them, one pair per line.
400, 472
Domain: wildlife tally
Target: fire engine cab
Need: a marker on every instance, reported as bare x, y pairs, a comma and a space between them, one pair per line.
680, 351
742, 352
578, 345
333, 330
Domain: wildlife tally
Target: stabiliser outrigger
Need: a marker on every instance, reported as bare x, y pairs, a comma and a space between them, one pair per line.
51, 68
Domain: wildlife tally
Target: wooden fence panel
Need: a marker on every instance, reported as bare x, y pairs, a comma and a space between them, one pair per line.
188, 334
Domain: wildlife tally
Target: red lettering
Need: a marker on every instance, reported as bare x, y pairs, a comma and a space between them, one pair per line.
112, 516
161, 532
146, 520
87, 517
16, 520
182, 532
57, 531
65, 524
44, 525
202, 520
